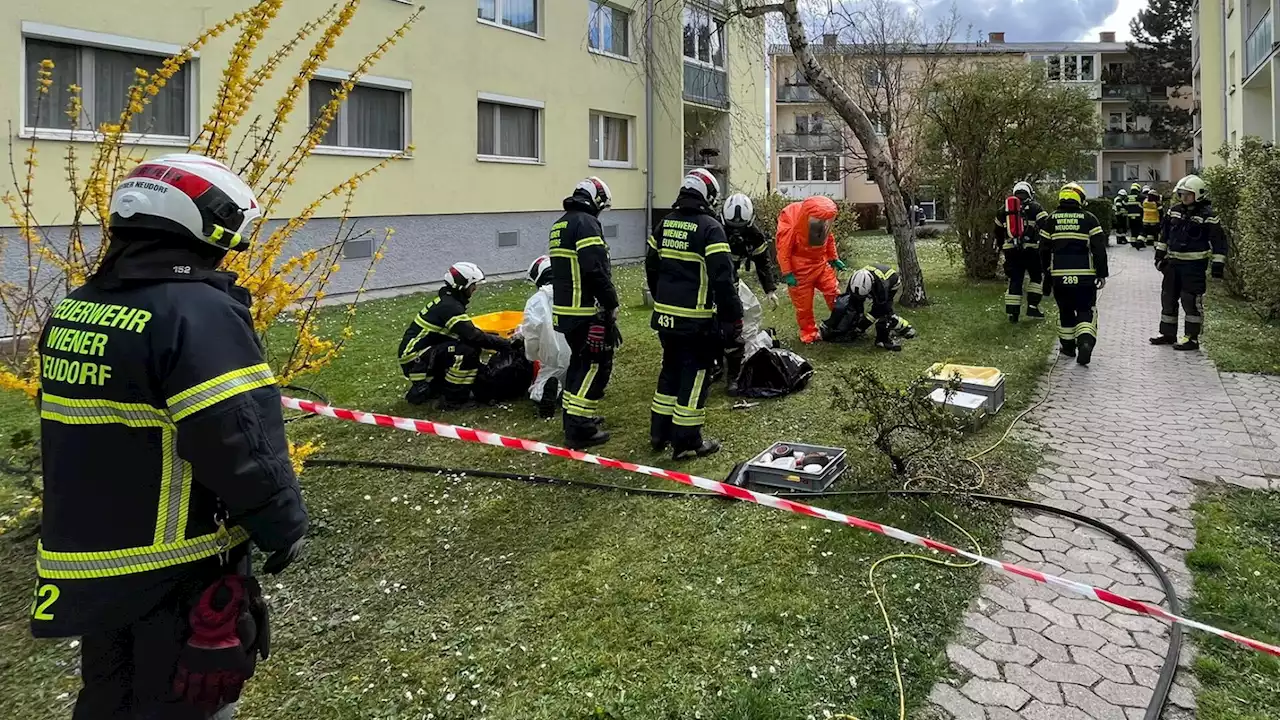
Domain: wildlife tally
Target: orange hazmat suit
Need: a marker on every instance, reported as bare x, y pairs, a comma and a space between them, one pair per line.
810, 263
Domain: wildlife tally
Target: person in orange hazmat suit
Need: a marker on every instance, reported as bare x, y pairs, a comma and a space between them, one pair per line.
807, 258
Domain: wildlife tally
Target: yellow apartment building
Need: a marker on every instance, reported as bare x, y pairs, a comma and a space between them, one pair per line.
810, 155
507, 104
1234, 74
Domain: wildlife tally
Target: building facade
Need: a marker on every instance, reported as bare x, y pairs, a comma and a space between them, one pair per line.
809, 156
1234, 74
505, 103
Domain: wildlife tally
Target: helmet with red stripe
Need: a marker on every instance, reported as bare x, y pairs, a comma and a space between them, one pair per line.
192, 196
596, 191
704, 184
540, 271
463, 276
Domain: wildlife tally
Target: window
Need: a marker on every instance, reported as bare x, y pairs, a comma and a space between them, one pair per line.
1067, 68
814, 124
104, 77
1131, 171
508, 131
1115, 121
608, 29
703, 36
610, 140
872, 77
809, 168
1190, 167
517, 14
371, 118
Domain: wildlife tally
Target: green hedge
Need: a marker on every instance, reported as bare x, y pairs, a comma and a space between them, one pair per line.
1244, 195
769, 207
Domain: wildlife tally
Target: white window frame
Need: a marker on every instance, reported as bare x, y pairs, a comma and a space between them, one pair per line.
405, 87
538, 105
713, 15
598, 129
91, 39
791, 157
1061, 58
630, 36
540, 11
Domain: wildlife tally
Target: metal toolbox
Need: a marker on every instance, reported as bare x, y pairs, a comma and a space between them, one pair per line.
756, 472
984, 381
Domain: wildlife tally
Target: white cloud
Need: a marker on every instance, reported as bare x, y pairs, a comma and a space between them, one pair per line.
1117, 21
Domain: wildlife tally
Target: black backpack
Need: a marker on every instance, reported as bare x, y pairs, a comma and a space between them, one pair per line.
774, 372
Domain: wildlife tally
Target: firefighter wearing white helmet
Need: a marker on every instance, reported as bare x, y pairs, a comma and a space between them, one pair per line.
850, 319
1120, 216
585, 309
158, 405
1192, 244
1133, 213
1073, 248
749, 248
440, 350
542, 344
696, 311
1017, 236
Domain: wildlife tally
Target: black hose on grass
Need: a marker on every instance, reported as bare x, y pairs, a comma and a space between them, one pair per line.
1164, 684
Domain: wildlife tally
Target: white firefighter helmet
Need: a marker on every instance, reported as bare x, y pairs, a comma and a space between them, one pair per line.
540, 271
703, 183
1124, 193
738, 210
597, 190
463, 276
1193, 184
192, 196
860, 283
1025, 187
1146, 189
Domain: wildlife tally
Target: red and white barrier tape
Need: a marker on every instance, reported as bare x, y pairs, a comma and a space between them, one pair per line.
465, 434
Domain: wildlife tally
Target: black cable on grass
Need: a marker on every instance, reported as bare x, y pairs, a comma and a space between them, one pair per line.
1164, 684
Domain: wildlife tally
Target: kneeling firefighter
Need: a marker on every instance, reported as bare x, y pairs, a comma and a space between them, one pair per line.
689, 270
808, 259
1193, 242
164, 454
1017, 234
850, 319
542, 344
749, 247
1074, 249
440, 350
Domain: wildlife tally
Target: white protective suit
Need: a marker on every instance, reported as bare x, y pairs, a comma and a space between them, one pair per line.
542, 344
752, 314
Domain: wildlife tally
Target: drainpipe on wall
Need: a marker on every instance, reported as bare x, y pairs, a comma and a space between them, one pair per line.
648, 115
1226, 124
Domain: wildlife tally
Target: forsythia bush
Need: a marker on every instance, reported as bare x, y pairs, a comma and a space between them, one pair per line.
1243, 194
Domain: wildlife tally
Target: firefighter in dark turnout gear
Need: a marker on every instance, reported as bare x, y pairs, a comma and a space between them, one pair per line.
1133, 214
1120, 215
1074, 250
1192, 242
585, 309
164, 454
749, 247
1152, 218
689, 270
440, 350
851, 319
1022, 254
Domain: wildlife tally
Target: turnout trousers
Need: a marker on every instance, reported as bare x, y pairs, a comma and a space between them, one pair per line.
1184, 284
1077, 296
679, 407
1021, 264
449, 369
584, 383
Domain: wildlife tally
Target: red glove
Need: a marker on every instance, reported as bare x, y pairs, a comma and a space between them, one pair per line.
228, 633
596, 336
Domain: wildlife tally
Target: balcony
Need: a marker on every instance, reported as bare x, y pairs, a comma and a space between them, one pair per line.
1131, 92
798, 94
1258, 46
706, 85
809, 142
1128, 141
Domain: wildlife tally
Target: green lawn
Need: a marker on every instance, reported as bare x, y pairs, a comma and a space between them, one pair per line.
1236, 338
453, 597
1236, 564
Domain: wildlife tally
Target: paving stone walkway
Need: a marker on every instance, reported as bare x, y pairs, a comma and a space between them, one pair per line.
1127, 437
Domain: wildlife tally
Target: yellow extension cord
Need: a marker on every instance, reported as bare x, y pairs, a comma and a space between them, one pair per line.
871, 572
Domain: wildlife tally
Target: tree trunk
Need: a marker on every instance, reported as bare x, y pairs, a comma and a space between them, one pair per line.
902, 227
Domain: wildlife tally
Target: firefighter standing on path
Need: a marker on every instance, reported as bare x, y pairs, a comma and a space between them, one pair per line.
1120, 215
1019, 239
164, 454
1192, 242
808, 259
1074, 249
585, 309
1152, 217
689, 271
1133, 213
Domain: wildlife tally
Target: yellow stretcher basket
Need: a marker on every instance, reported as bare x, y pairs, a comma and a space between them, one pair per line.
968, 374
502, 323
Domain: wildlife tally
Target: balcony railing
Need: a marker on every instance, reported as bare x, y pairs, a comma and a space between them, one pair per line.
1258, 46
798, 94
792, 142
1131, 92
1128, 141
705, 85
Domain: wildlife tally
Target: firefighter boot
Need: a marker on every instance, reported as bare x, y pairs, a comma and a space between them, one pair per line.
708, 447
1084, 351
1163, 340
1034, 312
890, 344
584, 441
1188, 344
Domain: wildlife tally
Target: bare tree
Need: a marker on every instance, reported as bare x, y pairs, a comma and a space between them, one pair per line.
842, 80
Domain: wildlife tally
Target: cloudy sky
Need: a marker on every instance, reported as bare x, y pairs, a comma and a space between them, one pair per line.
1033, 20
